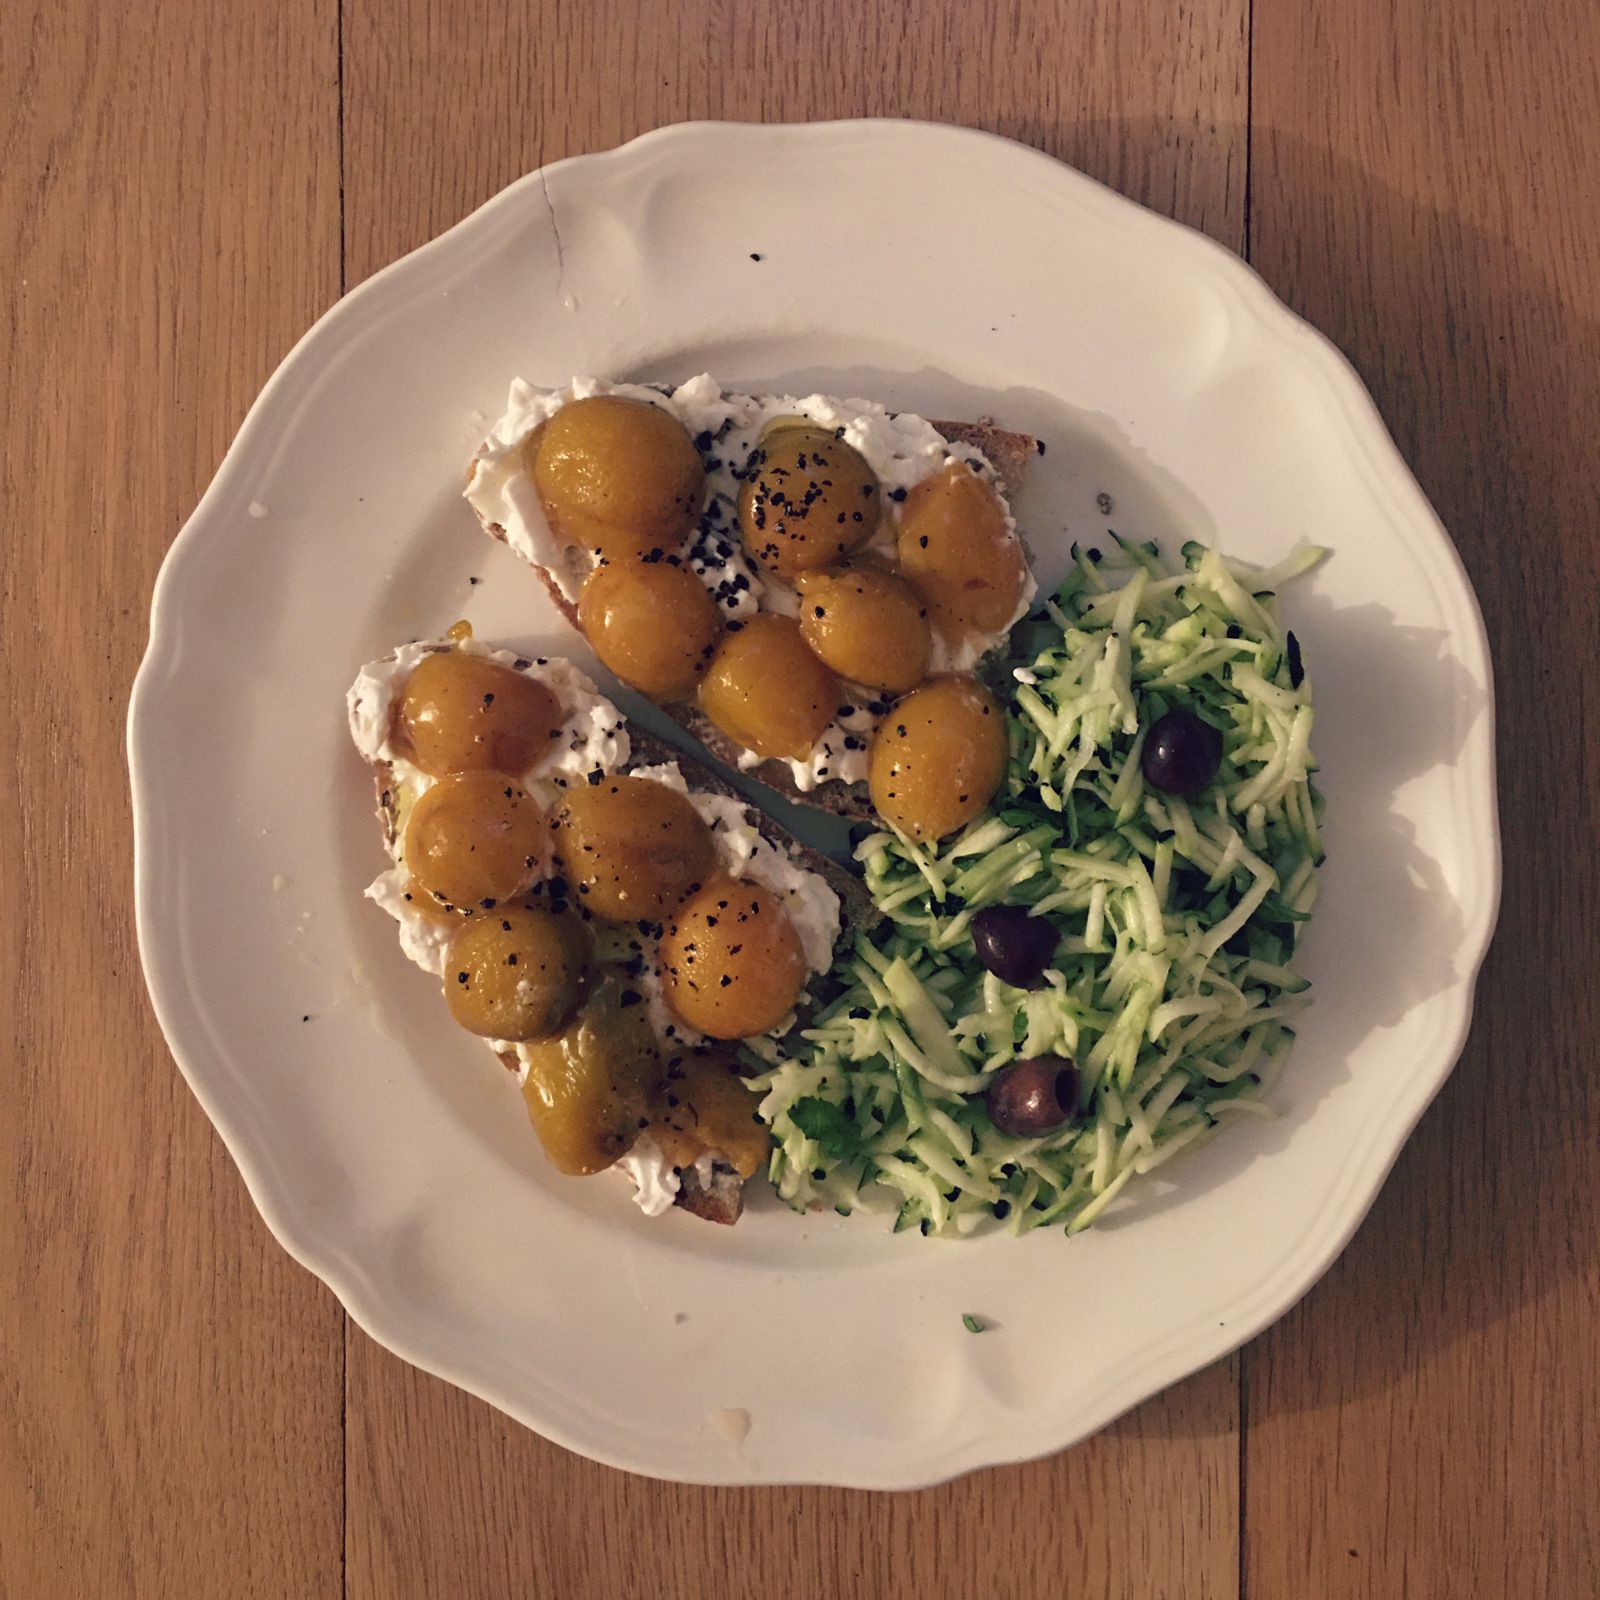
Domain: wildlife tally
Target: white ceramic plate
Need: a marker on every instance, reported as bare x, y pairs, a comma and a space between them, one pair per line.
935, 269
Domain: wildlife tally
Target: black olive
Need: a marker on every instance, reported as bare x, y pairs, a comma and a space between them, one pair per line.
1181, 753
1014, 946
1033, 1096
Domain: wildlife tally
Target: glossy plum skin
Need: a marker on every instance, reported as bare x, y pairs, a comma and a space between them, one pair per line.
1013, 945
461, 712
937, 757
869, 626
631, 848
618, 477
1181, 753
517, 973
767, 691
653, 623
1033, 1096
704, 1108
589, 1088
731, 960
957, 552
808, 499
474, 839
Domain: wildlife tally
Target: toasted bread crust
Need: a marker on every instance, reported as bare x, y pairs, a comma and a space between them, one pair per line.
721, 1199
1009, 453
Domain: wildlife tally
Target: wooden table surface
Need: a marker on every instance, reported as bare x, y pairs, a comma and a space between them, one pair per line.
183, 189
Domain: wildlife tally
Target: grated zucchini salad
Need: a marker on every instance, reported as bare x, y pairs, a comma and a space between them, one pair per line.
1170, 989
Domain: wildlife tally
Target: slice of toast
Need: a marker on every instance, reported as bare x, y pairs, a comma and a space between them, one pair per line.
1008, 452
715, 1191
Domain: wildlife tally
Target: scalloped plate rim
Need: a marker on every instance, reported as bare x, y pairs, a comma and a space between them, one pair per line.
1361, 427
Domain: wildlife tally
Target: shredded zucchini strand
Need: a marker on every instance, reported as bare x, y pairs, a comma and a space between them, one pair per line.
1173, 979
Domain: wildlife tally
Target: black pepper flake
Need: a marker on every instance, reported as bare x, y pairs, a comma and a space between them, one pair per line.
630, 997
923, 541
488, 698
489, 904
897, 494
1002, 1210
1038, 445
755, 255
474, 581
511, 960
461, 977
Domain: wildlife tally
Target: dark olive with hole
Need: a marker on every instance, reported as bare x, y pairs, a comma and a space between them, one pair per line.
1013, 945
1181, 753
1035, 1096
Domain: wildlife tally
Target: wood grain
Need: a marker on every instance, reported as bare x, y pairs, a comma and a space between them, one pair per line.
170, 1412
1428, 1422
446, 104
440, 1487
183, 189
448, 1496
